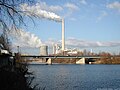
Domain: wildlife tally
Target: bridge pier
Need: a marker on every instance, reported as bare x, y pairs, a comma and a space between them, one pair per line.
90, 62
49, 61
81, 61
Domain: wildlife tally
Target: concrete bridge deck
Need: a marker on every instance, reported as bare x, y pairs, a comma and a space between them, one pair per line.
36, 56
79, 59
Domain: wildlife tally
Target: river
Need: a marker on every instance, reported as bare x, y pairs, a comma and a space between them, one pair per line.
76, 77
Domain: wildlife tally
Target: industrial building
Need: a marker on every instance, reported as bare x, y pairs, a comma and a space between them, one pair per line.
44, 50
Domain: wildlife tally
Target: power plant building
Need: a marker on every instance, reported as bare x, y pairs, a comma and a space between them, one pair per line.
44, 50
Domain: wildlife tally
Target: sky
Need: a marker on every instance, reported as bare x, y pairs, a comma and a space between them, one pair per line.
89, 24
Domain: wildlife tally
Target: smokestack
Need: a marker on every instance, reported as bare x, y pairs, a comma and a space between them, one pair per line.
63, 35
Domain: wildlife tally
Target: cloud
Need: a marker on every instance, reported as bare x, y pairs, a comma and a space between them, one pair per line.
79, 43
115, 5
52, 41
37, 11
83, 2
24, 39
43, 10
73, 42
73, 19
56, 8
51, 8
102, 15
71, 6
85, 43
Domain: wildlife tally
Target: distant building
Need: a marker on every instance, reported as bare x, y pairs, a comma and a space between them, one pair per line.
43, 50
56, 48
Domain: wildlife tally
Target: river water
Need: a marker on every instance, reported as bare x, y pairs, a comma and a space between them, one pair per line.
76, 77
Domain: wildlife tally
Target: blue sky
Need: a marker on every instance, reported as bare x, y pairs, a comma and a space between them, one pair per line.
88, 23
91, 21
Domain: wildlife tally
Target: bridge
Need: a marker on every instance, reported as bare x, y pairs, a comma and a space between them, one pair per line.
39, 56
49, 59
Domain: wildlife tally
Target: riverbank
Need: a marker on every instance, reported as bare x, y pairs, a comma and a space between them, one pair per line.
108, 60
13, 78
102, 60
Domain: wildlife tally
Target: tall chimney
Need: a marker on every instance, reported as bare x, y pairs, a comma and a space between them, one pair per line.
63, 35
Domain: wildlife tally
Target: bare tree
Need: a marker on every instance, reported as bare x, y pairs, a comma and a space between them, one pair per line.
11, 15
5, 42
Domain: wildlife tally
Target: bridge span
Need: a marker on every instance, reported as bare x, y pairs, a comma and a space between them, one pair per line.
39, 56
49, 59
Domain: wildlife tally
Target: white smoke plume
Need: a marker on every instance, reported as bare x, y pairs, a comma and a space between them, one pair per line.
24, 39
37, 11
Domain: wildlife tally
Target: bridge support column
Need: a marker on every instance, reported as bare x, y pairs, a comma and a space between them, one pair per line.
49, 61
81, 61
90, 62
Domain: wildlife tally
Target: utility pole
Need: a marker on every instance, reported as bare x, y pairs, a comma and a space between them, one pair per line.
18, 49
